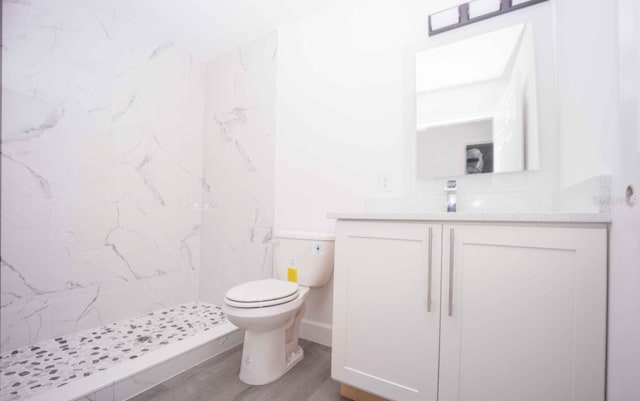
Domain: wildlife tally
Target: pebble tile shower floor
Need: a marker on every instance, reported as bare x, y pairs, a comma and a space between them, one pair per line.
55, 363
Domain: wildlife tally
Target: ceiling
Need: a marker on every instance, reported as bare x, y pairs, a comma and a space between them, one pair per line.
208, 28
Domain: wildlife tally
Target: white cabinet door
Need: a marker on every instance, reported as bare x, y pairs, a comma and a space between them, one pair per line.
387, 308
523, 313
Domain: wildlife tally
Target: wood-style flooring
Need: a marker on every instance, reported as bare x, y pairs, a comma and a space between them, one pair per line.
217, 380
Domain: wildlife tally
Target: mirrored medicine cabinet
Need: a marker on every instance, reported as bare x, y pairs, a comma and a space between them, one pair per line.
477, 104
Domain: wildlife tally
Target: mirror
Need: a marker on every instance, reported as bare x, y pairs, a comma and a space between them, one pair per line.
476, 105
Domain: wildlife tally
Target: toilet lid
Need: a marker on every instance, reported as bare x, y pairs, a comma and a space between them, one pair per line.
263, 291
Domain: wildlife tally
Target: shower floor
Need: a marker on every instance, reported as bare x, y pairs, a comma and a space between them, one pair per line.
88, 358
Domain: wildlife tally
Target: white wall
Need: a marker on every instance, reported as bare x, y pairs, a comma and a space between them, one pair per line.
340, 109
238, 162
587, 81
101, 168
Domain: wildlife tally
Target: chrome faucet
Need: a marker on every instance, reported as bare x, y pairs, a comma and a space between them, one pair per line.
450, 190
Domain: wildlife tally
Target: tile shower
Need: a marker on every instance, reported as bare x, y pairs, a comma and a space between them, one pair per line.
122, 156
61, 361
98, 190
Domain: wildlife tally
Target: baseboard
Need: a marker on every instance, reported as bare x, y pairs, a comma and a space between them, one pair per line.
317, 332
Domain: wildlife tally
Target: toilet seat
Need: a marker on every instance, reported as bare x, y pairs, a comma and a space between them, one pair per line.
261, 293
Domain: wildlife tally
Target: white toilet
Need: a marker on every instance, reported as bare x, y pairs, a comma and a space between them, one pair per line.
271, 310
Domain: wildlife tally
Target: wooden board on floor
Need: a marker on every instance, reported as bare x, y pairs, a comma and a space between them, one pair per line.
355, 394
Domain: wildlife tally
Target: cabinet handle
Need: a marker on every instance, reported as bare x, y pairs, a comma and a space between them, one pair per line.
451, 236
430, 268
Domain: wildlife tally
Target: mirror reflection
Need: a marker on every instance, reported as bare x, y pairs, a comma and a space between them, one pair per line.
476, 105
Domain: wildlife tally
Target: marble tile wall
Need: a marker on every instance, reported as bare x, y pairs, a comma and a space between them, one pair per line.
238, 163
102, 180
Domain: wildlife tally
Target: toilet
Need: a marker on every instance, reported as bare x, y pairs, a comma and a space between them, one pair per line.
271, 310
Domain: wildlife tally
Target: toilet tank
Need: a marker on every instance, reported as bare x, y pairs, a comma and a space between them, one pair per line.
312, 254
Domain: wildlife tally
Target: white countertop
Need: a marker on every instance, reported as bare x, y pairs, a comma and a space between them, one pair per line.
480, 217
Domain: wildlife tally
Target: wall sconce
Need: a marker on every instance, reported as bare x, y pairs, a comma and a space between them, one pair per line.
473, 11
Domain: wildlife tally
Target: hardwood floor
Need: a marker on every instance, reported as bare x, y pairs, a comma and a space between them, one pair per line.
217, 380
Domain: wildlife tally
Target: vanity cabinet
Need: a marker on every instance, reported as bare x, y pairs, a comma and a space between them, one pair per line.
470, 311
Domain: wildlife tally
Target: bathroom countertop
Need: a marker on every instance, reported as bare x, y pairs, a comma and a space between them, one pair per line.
539, 217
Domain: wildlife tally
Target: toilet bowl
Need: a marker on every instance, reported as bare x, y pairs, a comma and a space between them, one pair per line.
271, 345
271, 310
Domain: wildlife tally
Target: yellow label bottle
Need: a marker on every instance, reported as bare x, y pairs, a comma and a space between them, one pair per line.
292, 271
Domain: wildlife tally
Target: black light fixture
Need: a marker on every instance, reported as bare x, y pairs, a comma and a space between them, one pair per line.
473, 11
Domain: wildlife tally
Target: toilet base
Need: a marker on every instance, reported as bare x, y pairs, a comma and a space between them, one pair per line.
267, 356
264, 359
271, 346
294, 358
